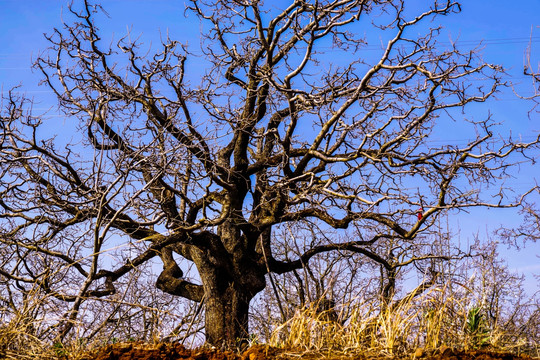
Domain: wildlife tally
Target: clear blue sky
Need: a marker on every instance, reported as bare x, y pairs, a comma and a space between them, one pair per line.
504, 28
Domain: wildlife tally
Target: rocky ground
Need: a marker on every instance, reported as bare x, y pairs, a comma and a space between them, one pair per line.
134, 351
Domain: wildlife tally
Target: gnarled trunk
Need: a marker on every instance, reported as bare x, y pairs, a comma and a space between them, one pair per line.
227, 298
226, 315
230, 281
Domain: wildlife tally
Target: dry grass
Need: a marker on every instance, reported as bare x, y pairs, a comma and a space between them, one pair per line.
430, 322
439, 317
20, 330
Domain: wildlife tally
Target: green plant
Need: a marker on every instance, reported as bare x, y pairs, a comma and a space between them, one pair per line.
476, 328
59, 349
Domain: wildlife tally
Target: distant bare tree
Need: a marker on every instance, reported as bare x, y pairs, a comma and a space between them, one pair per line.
298, 118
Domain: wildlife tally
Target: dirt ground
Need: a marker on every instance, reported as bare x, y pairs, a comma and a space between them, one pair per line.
136, 351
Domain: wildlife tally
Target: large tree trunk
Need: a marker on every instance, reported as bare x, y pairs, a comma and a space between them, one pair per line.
228, 291
226, 316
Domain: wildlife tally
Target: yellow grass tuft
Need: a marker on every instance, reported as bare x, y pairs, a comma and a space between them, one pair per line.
430, 322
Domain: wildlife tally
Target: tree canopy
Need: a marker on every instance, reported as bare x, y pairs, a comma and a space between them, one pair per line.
293, 121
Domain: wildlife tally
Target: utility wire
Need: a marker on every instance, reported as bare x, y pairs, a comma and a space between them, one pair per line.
496, 41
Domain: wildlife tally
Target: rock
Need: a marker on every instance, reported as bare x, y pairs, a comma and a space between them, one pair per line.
420, 352
445, 350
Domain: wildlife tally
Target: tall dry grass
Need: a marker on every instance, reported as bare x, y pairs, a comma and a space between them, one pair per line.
452, 315
437, 318
22, 325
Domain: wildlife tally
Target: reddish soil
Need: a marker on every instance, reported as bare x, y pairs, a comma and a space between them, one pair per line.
136, 351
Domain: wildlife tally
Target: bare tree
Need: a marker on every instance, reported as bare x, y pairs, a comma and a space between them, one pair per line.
298, 118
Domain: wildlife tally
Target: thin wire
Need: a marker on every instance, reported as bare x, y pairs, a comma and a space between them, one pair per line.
496, 41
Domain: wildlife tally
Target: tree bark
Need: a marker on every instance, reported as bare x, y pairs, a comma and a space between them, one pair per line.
227, 301
226, 316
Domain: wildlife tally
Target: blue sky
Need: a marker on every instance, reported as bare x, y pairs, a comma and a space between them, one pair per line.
503, 28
